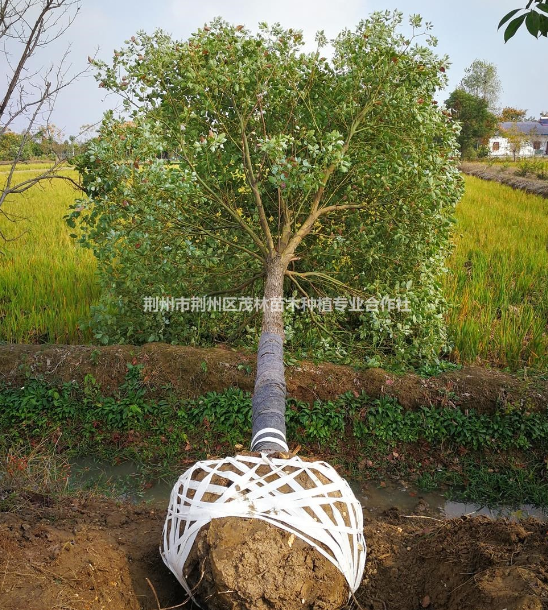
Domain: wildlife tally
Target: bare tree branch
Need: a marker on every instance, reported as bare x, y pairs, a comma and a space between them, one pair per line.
27, 27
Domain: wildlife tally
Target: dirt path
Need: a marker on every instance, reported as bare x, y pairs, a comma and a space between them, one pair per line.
529, 184
39, 169
22, 171
191, 372
96, 555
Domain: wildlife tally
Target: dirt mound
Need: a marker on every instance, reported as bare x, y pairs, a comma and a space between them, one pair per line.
92, 555
97, 555
70, 569
462, 564
192, 371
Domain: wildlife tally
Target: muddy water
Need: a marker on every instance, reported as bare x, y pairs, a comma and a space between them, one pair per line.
125, 482
376, 498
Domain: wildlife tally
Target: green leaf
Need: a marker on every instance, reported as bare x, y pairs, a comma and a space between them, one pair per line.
513, 27
543, 25
543, 6
532, 22
507, 17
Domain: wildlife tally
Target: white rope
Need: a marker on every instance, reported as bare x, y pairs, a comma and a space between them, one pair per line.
337, 536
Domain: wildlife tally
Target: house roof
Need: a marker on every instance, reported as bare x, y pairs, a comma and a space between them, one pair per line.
528, 127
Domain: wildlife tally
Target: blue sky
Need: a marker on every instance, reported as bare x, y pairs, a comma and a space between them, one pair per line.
466, 30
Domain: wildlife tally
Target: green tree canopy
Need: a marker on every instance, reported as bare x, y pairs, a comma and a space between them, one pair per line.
477, 123
342, 170
481, 80
14, 145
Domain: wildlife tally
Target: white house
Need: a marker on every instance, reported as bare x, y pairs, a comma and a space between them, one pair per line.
534, 143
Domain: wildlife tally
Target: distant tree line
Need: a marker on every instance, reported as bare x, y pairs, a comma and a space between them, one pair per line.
47, 143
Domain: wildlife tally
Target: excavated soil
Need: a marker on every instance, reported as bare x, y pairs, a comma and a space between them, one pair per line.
97, 555
192, 371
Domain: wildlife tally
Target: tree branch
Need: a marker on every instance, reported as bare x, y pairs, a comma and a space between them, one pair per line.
226, 207
326, 278
240, 287
253, 184
314, 215
202, 231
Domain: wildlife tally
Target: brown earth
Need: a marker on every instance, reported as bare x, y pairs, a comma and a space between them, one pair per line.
192, 371
290, 574
528, 183
97, 555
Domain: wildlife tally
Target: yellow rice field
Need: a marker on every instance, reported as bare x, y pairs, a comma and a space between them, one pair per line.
47, 282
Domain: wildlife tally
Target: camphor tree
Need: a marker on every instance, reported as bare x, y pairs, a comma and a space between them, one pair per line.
279, 161
27, 27
269, 147
276, 154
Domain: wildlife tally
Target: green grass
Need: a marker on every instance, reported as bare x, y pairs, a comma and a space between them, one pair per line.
498, 278
47, 282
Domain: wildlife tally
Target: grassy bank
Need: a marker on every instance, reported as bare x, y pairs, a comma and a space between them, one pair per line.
485, 458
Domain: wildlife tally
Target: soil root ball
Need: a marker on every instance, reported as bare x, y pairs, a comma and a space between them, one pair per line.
248, 564
255, 532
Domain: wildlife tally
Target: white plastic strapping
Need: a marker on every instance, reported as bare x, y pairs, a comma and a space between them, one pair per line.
280, 500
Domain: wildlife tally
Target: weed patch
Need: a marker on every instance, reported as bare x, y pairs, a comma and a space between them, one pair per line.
368, 438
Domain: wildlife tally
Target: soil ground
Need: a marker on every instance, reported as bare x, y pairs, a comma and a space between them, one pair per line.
190, 372
94, 554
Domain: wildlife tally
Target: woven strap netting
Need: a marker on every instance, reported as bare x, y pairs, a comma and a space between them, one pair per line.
307, 499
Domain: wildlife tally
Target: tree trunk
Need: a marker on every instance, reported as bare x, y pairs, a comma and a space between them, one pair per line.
268, 433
